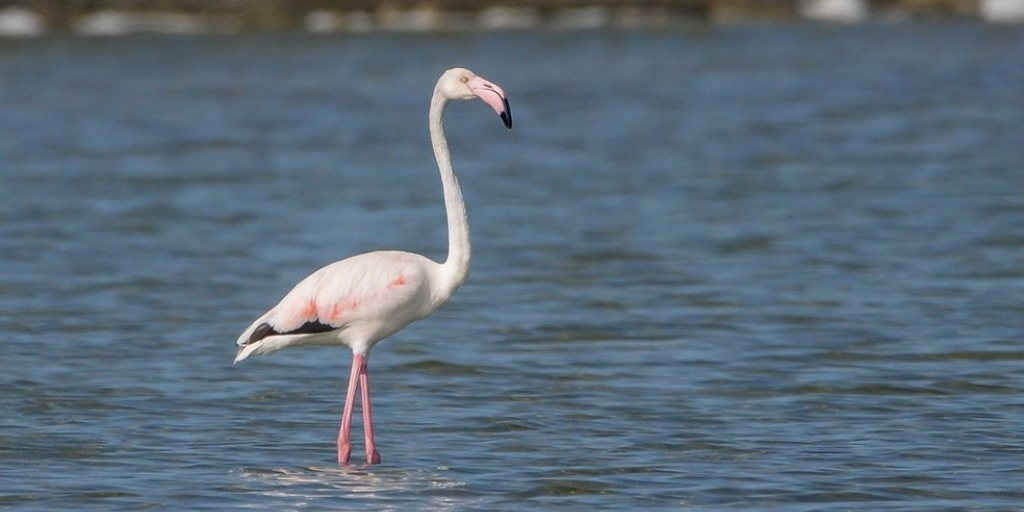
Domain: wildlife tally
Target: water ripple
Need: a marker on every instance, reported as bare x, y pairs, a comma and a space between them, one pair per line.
752, 267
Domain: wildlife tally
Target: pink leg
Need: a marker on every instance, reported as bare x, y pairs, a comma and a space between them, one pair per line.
344, 434
372, 455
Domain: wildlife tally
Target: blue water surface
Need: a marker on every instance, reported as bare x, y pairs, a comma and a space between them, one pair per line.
716, 268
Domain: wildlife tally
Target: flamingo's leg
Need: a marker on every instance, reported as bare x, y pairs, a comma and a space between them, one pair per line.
372, 455
344, 433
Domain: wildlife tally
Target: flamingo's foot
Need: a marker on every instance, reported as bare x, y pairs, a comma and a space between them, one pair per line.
344, 451
372, 457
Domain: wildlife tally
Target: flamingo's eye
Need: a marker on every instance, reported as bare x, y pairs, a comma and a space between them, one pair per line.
464, 79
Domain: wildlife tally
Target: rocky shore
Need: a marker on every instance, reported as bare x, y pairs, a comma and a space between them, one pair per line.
115, 17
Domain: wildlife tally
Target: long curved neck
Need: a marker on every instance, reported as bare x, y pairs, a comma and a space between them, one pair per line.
456, 268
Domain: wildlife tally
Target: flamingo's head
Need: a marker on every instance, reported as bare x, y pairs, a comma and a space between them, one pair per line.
463, 84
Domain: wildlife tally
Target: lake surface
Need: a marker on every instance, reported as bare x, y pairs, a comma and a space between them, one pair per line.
721, 268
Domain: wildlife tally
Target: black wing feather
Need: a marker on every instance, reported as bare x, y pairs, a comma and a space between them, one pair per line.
265, 330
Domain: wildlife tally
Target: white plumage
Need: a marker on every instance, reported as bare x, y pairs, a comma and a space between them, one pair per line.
363, 299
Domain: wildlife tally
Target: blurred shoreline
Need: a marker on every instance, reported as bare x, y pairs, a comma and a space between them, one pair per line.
116, 17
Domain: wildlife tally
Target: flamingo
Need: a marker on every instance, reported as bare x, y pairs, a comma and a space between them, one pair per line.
361, 300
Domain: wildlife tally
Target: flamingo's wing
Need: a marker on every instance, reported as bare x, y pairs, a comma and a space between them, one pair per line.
371, 291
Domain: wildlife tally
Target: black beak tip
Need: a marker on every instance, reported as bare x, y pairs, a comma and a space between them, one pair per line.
506, 116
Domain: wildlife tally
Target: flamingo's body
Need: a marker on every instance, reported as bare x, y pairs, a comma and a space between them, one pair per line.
363, 299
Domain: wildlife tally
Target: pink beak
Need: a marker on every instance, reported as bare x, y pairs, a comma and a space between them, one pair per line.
492, 95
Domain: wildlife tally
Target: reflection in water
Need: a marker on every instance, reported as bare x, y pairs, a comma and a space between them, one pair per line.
388, 490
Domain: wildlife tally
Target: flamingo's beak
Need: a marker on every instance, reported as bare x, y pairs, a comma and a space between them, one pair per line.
492, 95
